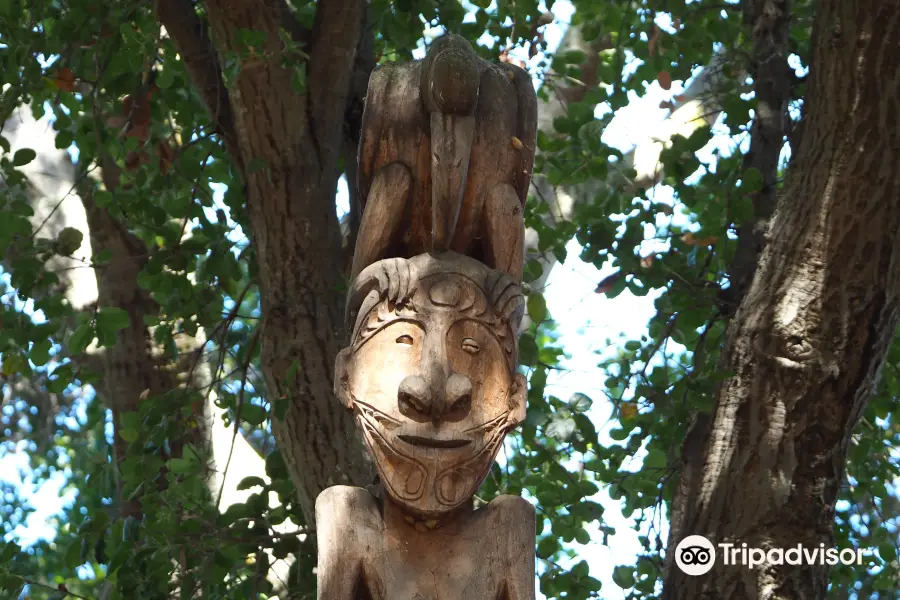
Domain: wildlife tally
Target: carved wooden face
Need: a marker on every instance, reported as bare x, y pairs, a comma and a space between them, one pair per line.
434, 389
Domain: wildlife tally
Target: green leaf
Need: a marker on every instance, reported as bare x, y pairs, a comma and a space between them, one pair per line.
13, 364
104, 256
130, 420
73, 555
23, 156
64, 139
280, 407
547, 547
103, 198
528, 350
582, 537
61, 378
249, 482
751, 180
888, 552
40, 352
10, 550
618, 434
165, 78
533, 270
623, 576
537, 307
275, 466
112, 319
253, 414
13, 583
656, 459
580, 402
118, 560
80, 339
69, 240
179, 466
129, 435
100, 521
298, 79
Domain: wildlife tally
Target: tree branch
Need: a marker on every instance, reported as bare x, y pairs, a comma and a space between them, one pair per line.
335, 39
359, 83
191, 37
772, 78
290, 24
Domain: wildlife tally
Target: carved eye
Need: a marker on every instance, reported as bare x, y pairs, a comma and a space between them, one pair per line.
470, 346
406, 340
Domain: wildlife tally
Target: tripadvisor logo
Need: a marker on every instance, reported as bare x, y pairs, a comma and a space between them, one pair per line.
696, 555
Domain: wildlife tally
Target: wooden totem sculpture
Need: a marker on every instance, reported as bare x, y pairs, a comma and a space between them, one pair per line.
434, 309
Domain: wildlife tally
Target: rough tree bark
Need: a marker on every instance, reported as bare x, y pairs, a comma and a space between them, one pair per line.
807, 342
294, 226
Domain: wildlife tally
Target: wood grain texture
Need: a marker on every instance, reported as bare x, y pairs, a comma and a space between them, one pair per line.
370, 550
805, 347
434, 306
430, 374
460, 138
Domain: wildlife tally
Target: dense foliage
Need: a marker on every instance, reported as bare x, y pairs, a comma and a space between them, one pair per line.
148, 157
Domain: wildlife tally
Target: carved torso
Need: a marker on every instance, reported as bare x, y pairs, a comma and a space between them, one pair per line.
480, 556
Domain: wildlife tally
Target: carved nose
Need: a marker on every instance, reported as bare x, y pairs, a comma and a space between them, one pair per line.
419, 402
458, 398
415, 398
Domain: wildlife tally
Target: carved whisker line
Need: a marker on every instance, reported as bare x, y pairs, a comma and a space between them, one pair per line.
489, 424
364, 409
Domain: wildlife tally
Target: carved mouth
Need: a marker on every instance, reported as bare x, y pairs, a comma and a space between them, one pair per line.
415, 440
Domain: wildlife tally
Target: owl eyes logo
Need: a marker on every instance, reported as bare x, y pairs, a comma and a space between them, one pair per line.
695, 555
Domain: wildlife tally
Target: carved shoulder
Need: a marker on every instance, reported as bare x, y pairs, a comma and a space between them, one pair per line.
513, 508
346, 503
347, 519
512, 520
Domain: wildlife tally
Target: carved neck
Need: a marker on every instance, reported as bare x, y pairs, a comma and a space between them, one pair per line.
397, 519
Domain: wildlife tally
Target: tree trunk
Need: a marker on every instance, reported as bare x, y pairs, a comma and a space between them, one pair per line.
296, 139
809, 338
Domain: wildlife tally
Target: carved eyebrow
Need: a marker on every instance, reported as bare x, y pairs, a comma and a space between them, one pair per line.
367, 333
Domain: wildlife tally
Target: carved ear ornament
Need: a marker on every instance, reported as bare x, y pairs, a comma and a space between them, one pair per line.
506, 297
